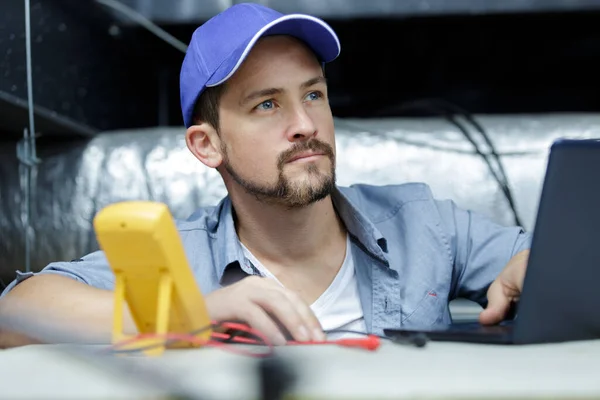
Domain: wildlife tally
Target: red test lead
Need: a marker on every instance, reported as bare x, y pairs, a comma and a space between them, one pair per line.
371, 342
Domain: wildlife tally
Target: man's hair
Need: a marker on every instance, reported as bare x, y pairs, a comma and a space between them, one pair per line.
206, 108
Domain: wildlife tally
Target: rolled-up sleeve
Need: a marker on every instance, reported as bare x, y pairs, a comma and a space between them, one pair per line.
481, 249
92, 269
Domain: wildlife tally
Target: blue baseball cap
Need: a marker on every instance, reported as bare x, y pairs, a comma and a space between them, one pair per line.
220, 45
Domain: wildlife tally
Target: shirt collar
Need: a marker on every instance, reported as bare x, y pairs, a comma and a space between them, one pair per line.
359, 225
229, 252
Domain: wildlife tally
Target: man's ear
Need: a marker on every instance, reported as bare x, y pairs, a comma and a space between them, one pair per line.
204, 143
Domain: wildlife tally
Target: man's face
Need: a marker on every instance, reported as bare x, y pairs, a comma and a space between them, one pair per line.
276, 126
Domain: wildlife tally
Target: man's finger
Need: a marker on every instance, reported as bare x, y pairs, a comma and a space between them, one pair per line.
278, 304
519, 270
258, 319
498, 305
310, 320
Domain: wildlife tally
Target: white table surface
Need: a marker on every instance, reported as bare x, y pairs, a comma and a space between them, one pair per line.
439, 370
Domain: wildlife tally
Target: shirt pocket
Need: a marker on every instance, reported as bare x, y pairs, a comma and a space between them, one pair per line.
427, 312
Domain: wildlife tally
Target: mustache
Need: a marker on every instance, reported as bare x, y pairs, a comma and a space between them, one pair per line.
299, 147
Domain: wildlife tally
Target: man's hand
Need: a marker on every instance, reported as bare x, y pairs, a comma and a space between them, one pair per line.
262, 303
505, 290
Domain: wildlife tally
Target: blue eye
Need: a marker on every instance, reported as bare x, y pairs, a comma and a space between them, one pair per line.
266, 105
314, 96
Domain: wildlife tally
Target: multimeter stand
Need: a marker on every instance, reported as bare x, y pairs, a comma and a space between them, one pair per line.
152, 276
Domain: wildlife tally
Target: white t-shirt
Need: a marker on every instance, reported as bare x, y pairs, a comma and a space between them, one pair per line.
339, 306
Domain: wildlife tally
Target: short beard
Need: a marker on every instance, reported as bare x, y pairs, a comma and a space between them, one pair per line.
283, 192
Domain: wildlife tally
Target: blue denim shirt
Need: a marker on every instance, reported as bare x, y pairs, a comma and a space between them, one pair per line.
413, 253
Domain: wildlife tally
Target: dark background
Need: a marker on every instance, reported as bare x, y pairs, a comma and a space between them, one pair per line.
93, 72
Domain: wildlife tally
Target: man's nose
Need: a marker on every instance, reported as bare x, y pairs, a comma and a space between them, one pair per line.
302, 126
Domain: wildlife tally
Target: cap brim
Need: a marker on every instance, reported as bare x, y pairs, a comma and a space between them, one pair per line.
313, 31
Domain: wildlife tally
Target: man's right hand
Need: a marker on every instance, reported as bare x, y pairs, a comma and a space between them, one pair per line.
262, 304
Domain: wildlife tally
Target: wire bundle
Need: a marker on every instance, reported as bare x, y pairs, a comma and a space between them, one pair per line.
450, 112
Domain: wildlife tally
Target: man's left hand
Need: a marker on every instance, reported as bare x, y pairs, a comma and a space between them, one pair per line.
505, 290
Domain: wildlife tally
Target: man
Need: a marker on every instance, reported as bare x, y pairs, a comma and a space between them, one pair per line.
287, 250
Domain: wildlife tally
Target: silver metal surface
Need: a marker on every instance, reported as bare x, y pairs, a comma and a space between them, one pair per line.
75, 180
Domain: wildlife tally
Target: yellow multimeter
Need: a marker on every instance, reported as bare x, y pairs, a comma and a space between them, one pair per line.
152, 274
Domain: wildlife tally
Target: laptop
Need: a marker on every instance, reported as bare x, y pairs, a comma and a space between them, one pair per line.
560, 300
